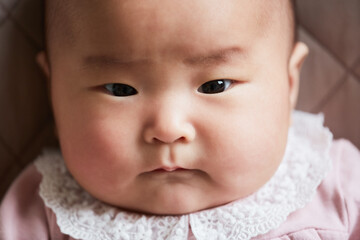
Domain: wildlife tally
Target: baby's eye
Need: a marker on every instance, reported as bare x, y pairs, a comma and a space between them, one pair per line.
120, 90
215, 86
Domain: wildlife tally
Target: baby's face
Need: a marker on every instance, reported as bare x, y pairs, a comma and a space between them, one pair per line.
170, 107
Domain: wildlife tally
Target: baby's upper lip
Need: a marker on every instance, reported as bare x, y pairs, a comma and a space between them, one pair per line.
168, 169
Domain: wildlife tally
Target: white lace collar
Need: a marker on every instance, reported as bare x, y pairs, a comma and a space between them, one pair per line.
305, 164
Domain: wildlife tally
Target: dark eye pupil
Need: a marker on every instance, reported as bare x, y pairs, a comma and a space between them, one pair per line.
215, 86
121, 90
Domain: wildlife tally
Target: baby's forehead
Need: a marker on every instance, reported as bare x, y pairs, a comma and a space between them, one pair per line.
64, 17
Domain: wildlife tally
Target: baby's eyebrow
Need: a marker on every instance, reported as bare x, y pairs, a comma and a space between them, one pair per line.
110, 61
216, 57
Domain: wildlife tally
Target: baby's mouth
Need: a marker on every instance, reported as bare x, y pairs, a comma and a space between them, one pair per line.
171, 173
169, 169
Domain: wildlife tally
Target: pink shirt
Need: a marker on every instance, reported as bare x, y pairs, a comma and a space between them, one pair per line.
334, 212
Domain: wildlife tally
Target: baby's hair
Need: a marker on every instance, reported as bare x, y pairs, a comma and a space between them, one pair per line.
293, 19
58, 25
283, 13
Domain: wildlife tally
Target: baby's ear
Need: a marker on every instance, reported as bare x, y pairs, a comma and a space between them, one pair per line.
297, 58
43, 63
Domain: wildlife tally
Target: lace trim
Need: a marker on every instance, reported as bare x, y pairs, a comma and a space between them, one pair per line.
305, 164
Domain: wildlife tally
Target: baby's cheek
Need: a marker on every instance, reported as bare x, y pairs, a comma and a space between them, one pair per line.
249, 157
98, 154
246, 172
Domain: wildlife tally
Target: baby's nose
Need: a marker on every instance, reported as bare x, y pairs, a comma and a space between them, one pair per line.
169, 123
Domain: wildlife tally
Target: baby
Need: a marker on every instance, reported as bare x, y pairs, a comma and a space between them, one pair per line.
175, 121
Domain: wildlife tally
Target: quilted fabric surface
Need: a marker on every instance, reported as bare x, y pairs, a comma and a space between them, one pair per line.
330, 79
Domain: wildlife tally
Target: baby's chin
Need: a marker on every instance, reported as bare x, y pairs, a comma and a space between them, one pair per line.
170, 211
185, 204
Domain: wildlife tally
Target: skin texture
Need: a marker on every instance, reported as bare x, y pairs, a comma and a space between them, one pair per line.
171, 149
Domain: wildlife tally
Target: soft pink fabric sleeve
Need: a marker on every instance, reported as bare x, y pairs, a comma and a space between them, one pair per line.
349, 176
22, 212
334, 212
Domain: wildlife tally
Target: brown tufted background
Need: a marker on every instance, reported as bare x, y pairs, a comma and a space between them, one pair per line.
330, 79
